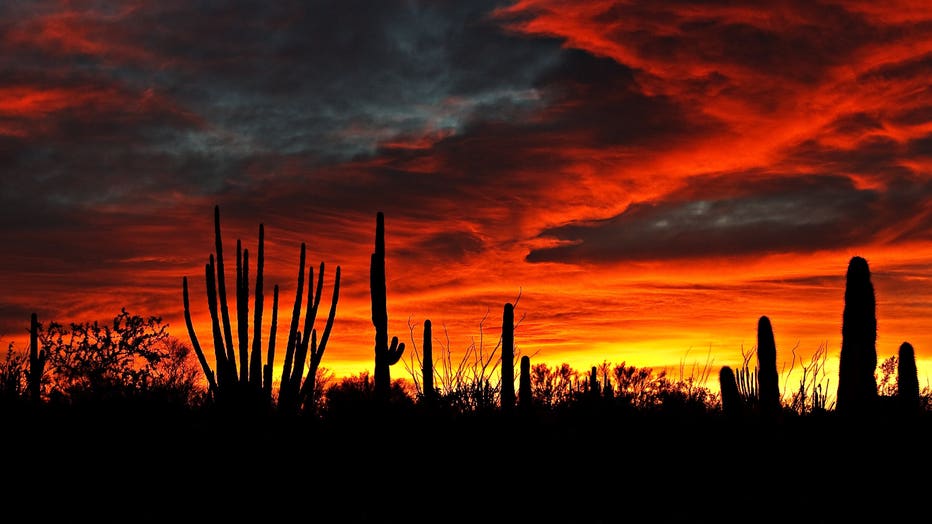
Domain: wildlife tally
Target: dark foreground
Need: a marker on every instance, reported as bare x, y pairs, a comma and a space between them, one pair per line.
417, 468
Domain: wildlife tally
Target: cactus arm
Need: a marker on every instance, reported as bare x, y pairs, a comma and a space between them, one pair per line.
242, 309
223, 375
222, 292
273, 332
295, 316
255, 365
211, 381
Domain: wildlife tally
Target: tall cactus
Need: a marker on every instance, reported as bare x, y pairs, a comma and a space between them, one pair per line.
857, 385
524, 383
252, 384
508, 357
427, 375
907, 379
36, 361
385, 355
767, 376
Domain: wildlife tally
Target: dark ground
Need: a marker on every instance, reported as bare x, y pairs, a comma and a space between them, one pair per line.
180, 468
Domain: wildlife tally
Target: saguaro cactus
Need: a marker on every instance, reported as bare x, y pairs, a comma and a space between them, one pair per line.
508, 356
385, 355
767, 376
524, 383
252, 385
907, 379
36, 360
857, 385
427, 375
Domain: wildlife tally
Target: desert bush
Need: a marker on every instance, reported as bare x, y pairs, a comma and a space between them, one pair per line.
131, 358
13, 376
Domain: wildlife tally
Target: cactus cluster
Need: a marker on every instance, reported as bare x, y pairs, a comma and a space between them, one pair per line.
251, 382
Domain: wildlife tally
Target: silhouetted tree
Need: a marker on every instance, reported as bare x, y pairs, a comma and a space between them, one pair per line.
767, 376
857, 384
508, 357
907, 379
385, 355
175, 379
94, 362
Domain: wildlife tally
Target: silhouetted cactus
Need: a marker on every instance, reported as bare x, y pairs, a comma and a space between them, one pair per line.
594, 389
857, 385
427, 375
524, 383
508, 357
37, 360
385, 355
907, 379
732, 404
767, 376
252, 385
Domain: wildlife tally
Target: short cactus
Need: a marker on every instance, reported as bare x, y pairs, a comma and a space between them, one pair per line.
524, 383
907, 379
732, 405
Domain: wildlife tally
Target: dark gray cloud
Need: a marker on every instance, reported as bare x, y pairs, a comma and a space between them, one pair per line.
799, 214
194, 97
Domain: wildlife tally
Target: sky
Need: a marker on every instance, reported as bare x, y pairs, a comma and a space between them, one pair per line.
646, 179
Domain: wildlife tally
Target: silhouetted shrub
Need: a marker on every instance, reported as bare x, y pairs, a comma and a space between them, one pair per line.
13, 375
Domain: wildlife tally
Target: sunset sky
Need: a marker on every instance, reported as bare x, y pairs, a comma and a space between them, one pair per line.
649, 177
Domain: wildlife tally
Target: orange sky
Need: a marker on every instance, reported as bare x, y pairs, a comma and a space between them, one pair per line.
650, 178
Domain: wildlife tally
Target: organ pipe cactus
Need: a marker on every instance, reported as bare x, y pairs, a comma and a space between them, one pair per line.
252, 383
386, 355
857, 384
